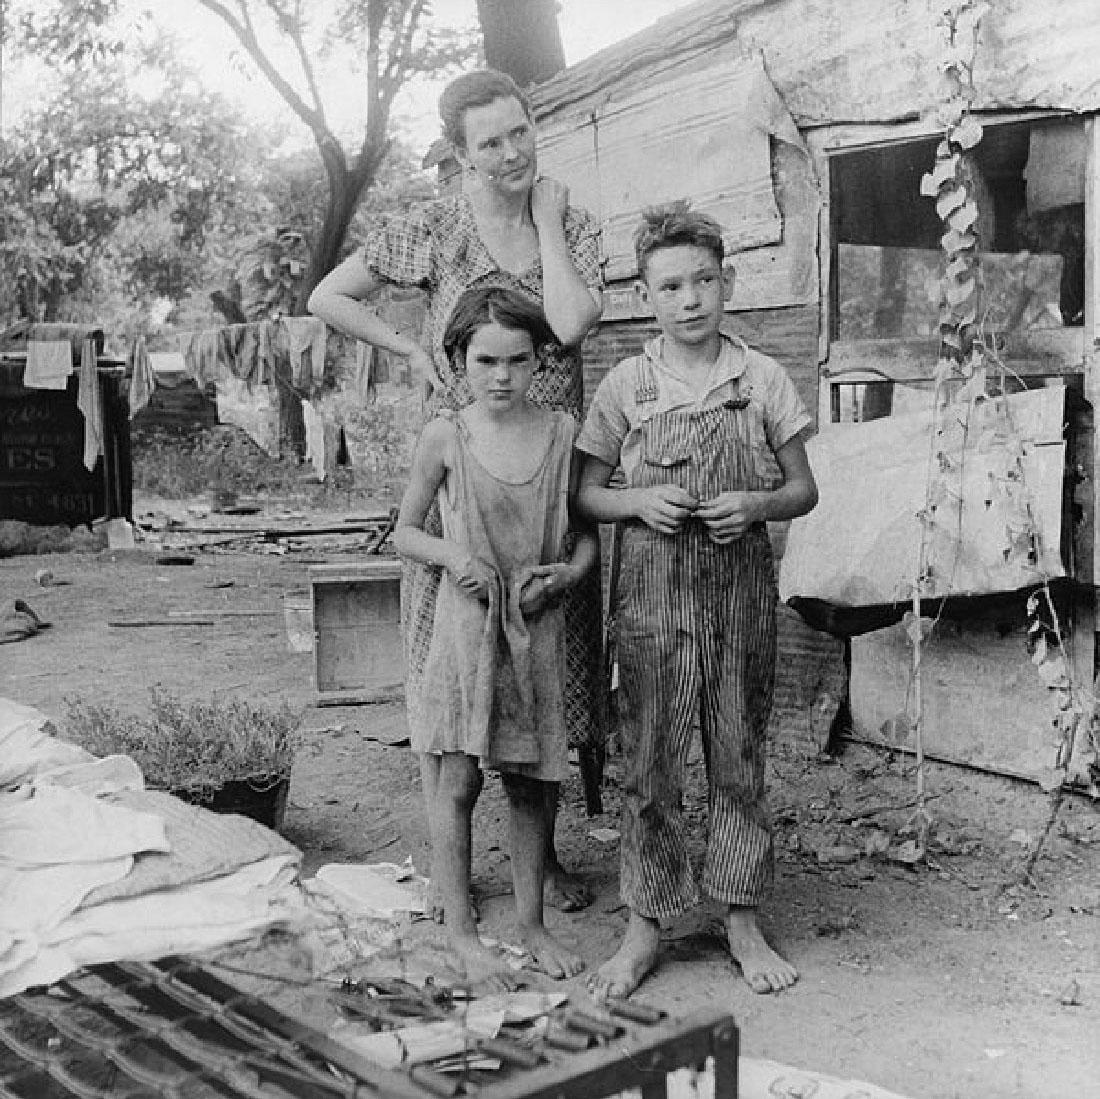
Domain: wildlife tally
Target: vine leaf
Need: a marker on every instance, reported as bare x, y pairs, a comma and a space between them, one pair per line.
967, 133
949, 201
958, 292
964, 217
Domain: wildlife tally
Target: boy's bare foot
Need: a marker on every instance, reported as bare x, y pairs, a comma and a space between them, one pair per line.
564, 891
483, 966
551, 956
763, 969
621, 974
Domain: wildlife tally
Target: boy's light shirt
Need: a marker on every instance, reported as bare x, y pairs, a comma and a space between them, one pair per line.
612, 429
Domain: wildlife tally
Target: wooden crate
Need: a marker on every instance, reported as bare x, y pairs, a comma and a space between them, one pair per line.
358, 654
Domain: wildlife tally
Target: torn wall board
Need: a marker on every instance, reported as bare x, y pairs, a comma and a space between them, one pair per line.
860, 545
630, 152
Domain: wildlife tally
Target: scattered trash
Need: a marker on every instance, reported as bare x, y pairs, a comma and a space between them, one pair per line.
18, 621
908, 853
838, 855
605, 835
381, 890
118, 532
1021, 837
993, 1054
175, 559
1070, 996
43, 578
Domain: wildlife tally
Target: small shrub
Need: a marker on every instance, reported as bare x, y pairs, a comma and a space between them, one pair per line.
191, 747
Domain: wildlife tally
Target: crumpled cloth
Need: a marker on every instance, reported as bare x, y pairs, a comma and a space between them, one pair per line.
49, 364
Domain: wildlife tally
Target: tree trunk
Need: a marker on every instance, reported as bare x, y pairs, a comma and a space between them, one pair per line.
522, 38
344, 191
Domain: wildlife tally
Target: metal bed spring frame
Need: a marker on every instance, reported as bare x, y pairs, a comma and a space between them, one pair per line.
174, 1030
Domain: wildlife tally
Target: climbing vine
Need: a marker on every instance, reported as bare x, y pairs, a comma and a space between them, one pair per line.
968, 369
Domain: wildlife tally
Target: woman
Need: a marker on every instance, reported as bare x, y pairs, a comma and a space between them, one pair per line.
511, 228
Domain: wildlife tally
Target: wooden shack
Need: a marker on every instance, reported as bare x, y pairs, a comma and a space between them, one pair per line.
805, 127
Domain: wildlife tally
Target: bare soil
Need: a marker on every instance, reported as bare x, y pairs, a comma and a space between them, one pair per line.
945, 981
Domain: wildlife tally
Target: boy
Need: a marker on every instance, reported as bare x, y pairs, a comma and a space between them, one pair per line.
707, 434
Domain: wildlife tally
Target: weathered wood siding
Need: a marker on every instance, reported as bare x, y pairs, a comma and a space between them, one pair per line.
856, 61
720, 137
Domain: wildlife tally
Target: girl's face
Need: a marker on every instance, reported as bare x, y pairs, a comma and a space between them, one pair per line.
500, 365
500, 146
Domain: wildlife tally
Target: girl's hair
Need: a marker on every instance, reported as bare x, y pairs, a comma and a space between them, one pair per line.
494, 305
476, 89
673, 224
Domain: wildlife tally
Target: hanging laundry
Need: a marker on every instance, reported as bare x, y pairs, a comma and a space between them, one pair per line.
90, 402
254, 352
49, 364
200, 352
365, 387
142, 379
252, 408
315, 437
306, 334
231, 340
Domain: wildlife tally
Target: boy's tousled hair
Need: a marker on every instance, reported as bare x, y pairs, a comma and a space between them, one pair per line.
484, 305
475, 89
674, 224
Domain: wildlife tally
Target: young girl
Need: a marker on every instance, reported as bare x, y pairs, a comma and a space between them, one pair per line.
493, 693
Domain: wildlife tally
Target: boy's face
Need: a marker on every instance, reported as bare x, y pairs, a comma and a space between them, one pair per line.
686, 287
500, 365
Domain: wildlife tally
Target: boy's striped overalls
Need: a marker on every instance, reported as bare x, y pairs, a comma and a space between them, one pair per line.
696, 639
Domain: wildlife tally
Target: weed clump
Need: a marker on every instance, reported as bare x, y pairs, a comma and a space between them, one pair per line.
192, 748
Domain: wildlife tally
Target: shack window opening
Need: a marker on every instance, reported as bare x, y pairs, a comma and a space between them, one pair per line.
1030, 190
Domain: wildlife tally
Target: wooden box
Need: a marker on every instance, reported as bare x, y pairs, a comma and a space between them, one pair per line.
358, 654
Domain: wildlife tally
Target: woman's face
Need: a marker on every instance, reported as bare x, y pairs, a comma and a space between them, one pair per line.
500, 146
500, 366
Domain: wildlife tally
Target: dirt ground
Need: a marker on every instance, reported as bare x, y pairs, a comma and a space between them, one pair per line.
946, 981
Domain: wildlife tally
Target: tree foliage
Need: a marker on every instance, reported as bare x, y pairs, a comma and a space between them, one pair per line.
392, 40
109, 188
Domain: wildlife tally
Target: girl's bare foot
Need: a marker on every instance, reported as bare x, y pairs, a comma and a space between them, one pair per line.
621, 974
564, 891
483, 966
551, 956
763, 969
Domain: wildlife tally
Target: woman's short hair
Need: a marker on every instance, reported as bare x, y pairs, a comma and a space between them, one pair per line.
476, 89
484, 305
673, 224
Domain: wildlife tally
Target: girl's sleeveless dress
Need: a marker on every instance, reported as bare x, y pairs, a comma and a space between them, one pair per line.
494, 681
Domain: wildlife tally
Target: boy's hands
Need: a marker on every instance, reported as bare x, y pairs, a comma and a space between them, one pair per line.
730, 514
664, 508
472, 576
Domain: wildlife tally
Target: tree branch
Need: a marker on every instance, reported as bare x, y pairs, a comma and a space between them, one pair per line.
242, 27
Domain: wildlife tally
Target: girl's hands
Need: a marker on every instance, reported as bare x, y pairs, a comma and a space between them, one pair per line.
472, 576
540, 585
